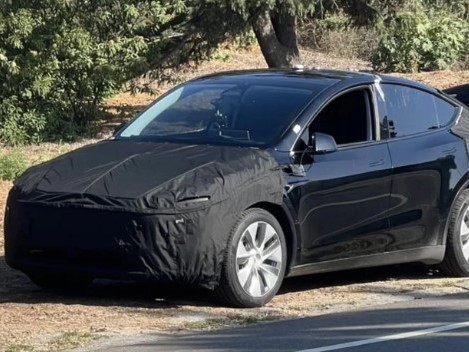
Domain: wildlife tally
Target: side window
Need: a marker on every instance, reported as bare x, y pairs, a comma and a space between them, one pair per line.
346, 118
405, 111
444, 111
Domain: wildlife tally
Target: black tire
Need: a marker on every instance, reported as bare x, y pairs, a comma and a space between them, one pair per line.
455, 263
64, 283
230, 289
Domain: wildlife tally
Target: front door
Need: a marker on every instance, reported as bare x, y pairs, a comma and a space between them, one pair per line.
343, 199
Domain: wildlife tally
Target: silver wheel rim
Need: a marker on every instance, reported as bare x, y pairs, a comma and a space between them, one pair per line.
464, 234
258, 259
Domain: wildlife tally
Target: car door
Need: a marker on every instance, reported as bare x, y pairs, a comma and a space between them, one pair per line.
425, 158
343, 198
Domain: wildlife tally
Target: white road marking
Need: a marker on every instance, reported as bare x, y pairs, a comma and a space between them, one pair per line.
401, 336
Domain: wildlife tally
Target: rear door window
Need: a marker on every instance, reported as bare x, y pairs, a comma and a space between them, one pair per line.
406, 111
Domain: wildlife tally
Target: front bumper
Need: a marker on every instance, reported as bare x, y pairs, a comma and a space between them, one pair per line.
177, 248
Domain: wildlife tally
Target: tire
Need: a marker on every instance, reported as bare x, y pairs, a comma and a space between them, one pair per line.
255, 263
65, 283
456, 260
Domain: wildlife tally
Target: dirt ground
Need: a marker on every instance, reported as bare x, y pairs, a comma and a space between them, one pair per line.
33, 320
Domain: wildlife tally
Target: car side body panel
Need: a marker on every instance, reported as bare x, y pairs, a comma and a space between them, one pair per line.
426, 170
342, 203
418, 212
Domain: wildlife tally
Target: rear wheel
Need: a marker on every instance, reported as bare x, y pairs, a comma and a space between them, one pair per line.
456, 261
60, 282
255, 260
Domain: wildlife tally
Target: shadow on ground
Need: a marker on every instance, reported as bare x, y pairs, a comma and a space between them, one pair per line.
15, 287
357, 276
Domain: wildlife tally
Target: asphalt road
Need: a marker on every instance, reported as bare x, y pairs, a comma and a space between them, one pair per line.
432, 325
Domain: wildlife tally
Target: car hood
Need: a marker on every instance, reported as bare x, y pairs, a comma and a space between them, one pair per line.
143, 175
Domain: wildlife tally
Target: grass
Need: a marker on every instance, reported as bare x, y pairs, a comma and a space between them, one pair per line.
69, 340
228, 321
14, 161
66, 341
12, 164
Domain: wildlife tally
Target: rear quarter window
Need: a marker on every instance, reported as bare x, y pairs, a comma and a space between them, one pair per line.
445, 111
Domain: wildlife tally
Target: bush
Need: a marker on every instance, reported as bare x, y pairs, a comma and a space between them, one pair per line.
335, 36
58, 60
422, 41
12, 165
352, 43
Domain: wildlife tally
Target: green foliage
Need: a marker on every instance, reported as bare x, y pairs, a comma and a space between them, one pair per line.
447, 42
421, 39
401, 48
12, 165
60, 58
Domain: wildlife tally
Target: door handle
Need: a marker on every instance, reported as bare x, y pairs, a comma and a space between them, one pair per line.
376, 163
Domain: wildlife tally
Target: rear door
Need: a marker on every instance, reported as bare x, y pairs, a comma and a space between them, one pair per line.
425, 157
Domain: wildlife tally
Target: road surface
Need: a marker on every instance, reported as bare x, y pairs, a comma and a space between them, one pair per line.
431, 325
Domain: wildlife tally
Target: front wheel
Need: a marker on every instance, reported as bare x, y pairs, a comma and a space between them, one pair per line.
456, 261
255, 260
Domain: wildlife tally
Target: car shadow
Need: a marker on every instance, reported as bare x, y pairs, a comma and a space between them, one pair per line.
360, 276
15, 287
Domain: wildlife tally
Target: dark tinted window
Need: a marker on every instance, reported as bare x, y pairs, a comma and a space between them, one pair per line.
444, 110
405, 111
346, 118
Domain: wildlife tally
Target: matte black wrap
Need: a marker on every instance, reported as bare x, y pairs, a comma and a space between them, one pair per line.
158, 210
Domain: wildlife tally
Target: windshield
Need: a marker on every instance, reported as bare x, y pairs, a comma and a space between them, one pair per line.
237, 113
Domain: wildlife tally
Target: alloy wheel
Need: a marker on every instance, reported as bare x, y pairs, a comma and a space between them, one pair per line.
259, 259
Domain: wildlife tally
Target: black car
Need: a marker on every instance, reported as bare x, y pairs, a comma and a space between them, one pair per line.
459, 92
236, 180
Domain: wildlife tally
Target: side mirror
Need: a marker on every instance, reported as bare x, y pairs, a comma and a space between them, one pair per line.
322, 143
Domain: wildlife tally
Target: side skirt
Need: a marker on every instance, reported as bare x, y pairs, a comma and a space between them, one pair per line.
426, 255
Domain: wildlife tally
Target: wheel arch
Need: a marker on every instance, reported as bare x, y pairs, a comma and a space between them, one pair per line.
286, 221
461, 187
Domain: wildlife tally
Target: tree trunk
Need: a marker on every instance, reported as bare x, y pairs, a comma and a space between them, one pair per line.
277, 39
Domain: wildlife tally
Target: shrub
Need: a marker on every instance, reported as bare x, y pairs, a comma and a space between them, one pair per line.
58, 60
421, 41
335, 35
12, 165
